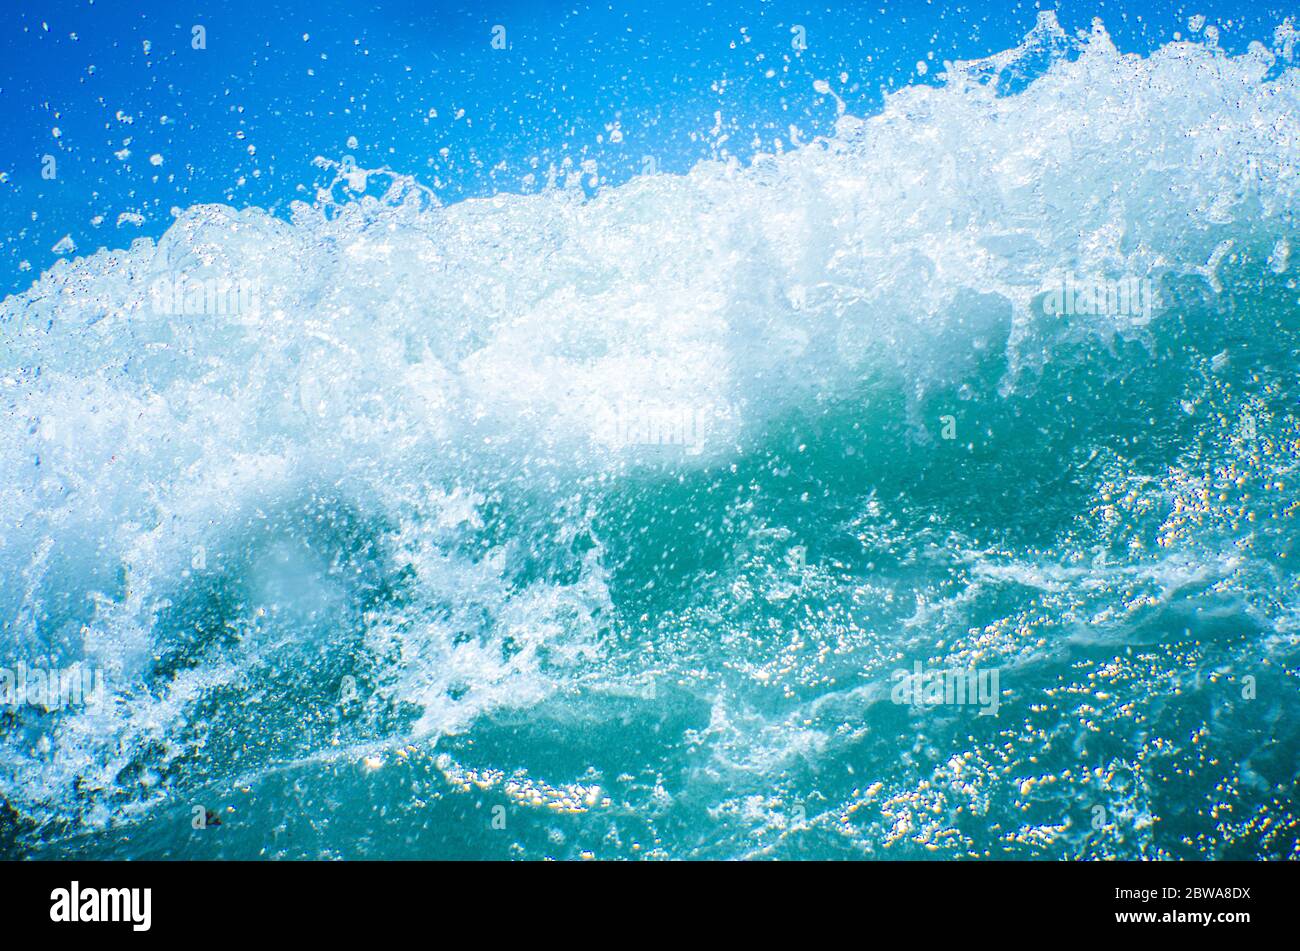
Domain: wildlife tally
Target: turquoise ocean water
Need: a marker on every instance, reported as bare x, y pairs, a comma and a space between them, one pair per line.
609, 522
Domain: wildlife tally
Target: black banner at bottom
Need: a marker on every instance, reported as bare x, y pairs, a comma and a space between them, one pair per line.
1218, 901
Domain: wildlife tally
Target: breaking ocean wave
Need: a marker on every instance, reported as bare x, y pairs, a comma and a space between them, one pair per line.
608, 525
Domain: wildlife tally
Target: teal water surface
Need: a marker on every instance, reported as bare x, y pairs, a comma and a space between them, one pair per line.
600, 525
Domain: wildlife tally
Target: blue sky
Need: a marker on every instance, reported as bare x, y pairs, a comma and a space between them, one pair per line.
421, 89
